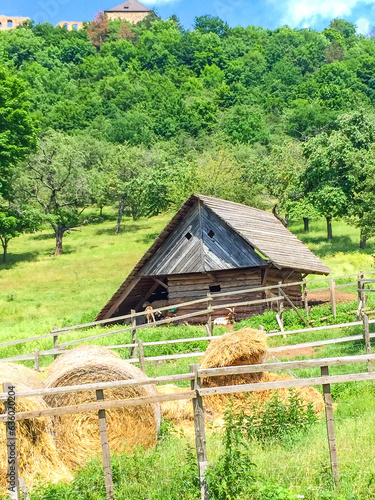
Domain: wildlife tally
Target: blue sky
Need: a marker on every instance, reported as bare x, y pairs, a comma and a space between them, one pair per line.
267, 13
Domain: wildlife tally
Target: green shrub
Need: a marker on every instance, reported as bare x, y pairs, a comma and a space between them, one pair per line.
233, 472
275, 420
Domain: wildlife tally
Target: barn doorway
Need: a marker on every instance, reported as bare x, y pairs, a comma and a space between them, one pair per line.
159, 297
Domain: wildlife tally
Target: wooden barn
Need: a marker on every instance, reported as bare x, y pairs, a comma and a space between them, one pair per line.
214, 245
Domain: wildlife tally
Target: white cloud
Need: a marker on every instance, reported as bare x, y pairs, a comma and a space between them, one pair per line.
363, 25
310, 12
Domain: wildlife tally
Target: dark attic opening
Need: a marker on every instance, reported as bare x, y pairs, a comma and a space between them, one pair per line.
215, 288
159, 295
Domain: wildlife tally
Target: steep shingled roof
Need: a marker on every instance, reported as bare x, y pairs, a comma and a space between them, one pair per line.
267, 234
129, 6
259, 228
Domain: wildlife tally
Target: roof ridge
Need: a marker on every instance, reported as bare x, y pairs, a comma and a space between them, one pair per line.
203, 197
129, 6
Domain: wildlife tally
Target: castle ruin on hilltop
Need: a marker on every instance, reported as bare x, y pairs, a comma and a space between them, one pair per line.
10, 22
131, 10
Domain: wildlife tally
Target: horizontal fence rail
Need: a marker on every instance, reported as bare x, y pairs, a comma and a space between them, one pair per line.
207, 372
318, 343
65, 330
196, 394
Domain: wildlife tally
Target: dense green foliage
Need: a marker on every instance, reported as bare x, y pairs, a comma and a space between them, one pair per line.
238, 112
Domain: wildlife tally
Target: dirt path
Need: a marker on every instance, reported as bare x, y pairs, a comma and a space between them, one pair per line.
324, 296
293, 353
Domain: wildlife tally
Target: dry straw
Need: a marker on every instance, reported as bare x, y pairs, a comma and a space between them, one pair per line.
247, 347
176, 411
37, 454
77, 435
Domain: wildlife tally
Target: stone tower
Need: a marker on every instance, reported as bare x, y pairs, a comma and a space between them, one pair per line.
131, 11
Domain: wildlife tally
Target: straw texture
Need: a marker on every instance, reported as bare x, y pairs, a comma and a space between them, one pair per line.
77, 435
37, 454
244, 347
247, 347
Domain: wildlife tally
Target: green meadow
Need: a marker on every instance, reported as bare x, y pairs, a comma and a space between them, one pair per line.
38, 292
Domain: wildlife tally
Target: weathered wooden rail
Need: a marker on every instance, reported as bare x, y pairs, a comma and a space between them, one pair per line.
196, 394
141, 358
57, 332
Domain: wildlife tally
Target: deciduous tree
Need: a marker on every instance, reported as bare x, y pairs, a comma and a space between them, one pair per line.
57, 177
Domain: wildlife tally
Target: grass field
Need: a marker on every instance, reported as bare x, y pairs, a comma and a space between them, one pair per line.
38, 292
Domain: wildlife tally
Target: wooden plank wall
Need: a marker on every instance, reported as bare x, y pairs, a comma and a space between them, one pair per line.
196, 286
225, 249
178, 254
274, 276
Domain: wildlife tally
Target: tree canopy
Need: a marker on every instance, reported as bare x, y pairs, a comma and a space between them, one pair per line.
147, 113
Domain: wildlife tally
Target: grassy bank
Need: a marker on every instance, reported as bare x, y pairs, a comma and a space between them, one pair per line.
39, 292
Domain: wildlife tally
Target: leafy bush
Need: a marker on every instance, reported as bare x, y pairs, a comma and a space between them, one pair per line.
231, 475
276, 420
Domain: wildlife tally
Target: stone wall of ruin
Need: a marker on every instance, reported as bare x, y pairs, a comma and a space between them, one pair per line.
70, 25
9, 22
133, 17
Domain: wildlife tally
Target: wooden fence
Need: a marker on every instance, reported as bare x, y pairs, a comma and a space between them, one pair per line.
141, 358
196, 394
59, 348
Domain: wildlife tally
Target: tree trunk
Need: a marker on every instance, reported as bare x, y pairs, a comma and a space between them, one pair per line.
59, 232
121, 209
363, 240
278, 217
100, 211
329, 228
5, 251
306, 224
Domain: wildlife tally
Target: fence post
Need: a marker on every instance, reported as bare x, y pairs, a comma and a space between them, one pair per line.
209, 326
280, 314
36, 360
107, 468
133, 350
361, 295
55, 341
362, 287
305, 299
141, 356
200, 432
12, 455
25, 493
332, 291
330, 427
366, 329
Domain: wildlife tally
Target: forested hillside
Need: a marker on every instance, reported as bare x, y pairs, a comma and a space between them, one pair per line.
140, 116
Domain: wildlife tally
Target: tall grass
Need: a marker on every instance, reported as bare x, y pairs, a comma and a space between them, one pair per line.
38, 292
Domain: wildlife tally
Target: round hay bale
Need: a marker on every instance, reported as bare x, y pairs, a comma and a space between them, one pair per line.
247, 347
244, 347
77, 435
176, 411
37, 454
